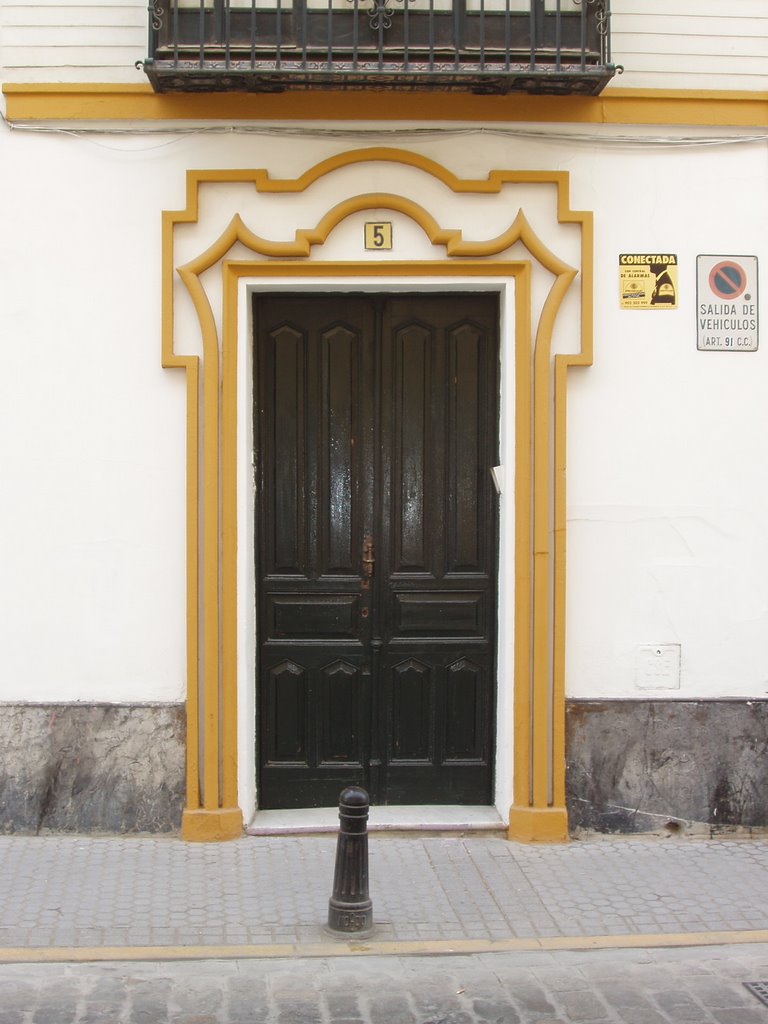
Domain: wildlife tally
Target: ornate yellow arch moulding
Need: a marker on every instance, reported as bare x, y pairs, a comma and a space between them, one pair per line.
538, 812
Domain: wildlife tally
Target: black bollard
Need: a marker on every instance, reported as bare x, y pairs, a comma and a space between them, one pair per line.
350, 910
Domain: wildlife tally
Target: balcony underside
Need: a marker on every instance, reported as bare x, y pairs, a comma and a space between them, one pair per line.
268, 76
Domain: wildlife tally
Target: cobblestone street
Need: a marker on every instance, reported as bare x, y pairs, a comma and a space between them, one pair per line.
638, 986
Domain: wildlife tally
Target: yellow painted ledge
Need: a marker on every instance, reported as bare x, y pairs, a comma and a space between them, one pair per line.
217, 826
617, 106
538, 825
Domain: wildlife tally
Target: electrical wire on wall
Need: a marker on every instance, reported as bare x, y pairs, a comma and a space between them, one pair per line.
586, 138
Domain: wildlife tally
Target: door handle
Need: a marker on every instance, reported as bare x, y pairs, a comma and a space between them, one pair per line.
368, 558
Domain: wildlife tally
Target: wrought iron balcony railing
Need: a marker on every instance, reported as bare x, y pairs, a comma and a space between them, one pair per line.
484, 46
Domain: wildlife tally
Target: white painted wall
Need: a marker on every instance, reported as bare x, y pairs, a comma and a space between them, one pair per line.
688, 44
668, 494
91, 519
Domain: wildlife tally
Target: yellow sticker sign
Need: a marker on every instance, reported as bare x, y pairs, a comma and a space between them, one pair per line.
647, 280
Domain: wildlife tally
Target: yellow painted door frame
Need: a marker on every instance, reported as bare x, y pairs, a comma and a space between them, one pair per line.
212, 812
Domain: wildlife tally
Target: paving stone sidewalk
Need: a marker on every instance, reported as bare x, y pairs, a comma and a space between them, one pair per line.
86, 891
639, 986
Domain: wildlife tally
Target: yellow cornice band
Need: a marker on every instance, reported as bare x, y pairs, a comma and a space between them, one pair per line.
616, 106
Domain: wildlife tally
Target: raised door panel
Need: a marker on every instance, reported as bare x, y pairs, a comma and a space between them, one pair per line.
341, 708
466, 450
411, 732
283, 378
413, 495
340, 467
287, 695
466, 695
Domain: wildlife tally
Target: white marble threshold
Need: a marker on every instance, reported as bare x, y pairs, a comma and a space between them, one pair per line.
421, 818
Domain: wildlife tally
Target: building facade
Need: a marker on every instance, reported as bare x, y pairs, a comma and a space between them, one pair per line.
389, 422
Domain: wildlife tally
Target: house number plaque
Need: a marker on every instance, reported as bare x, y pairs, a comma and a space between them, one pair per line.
378, 235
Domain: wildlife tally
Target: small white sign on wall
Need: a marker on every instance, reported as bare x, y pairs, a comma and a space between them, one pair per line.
657, 667
726, 303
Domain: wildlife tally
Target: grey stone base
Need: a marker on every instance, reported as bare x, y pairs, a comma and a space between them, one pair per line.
641, 765
91, 767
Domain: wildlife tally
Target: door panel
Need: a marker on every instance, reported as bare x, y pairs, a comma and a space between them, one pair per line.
438, 614
376, 423
286, 553
467, 449
414, 497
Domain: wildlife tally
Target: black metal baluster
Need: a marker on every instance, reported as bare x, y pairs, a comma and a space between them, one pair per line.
507, 36
253, 35
405, 34
175, 31
482, 35
431, 33
227, 32
355, 34
459, 19
330, 35
300, 8
201, 34
380, 18
532, 30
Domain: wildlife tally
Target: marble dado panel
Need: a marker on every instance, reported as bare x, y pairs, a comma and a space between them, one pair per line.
91, 767
646, 765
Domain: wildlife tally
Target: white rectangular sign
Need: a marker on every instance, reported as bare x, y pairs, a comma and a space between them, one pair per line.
726, 303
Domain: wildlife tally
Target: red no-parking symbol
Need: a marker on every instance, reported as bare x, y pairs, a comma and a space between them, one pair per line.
727, 279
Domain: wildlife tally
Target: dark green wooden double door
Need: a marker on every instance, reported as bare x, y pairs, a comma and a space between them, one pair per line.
376, 429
